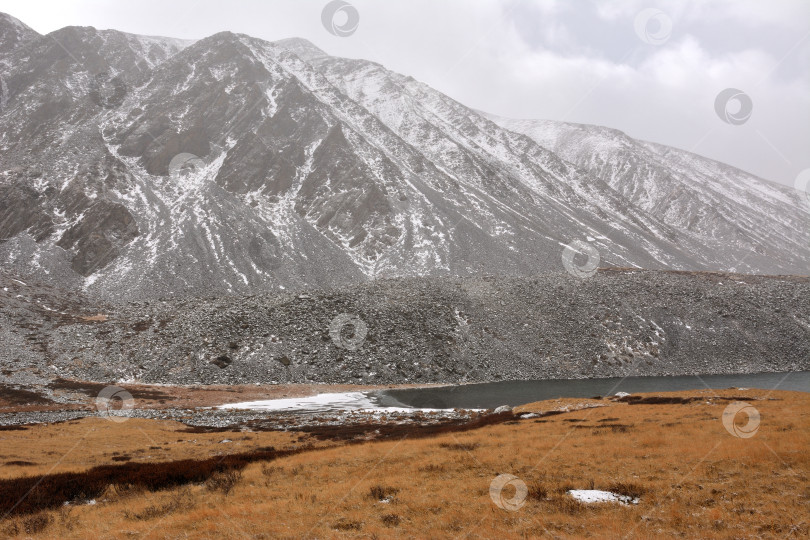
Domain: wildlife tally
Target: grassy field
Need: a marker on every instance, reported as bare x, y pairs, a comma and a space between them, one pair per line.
693, 477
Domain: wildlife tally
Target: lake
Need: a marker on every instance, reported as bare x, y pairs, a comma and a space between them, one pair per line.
491, 395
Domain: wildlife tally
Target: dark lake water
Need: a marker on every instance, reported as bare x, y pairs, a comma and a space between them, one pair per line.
491, 395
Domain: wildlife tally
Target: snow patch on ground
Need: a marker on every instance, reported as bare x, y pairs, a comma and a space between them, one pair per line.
599, 496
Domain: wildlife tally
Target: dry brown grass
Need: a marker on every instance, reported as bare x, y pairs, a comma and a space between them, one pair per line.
694, 480
79, 445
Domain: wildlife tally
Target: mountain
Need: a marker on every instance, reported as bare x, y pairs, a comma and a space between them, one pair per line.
714, 201
134, 167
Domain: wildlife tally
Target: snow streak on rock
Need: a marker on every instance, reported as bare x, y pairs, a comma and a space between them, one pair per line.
321, 171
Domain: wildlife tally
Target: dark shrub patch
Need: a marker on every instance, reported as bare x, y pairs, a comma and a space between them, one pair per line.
224, 481
36, 524
657, 400
347, 525
629, 489
205, 429
537, 491
150, 512
460, 446
381, 493
28, 495
179, 501
568, 505
349, 432
13, 428
17, 396
390, 520
12, 529
617, 428
270, 471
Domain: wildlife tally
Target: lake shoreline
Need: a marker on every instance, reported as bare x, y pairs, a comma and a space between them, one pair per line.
77, 399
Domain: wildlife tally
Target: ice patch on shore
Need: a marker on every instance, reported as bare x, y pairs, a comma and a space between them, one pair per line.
347, 401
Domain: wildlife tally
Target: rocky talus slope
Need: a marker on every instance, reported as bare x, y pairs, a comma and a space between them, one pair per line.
619, 322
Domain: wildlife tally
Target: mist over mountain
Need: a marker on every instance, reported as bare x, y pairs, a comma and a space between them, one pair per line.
134, 167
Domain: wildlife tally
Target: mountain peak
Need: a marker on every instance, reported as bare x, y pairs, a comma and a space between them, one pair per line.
13, 33
6, 19
302, 48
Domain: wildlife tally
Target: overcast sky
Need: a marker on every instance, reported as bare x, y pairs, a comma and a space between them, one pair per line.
593, 62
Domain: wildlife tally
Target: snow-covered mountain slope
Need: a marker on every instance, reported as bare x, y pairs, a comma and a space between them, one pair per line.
513, 169
137, 167
763, 223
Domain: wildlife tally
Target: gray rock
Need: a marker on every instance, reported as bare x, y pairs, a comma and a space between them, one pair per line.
614, 324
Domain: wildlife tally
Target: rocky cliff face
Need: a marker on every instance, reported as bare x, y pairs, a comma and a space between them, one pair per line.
133, 167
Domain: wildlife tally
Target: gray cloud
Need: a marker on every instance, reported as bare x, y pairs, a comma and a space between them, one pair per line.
562, 60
